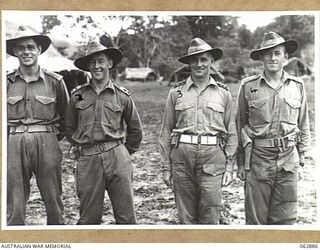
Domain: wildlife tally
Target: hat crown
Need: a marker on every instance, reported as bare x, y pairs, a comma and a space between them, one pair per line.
94, 47
23, 32
271, 38
198, 45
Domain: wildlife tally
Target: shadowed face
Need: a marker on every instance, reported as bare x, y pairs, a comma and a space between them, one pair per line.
99, 66
27, 51
200, 65
274, 59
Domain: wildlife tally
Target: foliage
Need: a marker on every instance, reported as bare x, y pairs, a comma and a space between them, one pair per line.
157, 42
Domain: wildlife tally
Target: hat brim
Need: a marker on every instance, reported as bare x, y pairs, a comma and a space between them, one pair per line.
216, 53
42, 40
83, 62
290, 45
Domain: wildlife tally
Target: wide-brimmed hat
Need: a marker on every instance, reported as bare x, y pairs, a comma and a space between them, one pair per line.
95, 48
198, 46
23, 33
271, 40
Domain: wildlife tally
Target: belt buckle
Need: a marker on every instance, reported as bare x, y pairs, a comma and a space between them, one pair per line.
24, 128
279, 142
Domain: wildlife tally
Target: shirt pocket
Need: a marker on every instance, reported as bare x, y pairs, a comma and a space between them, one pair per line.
44, 107
15, 107
85, 113
214, 114
259, 111
291, 108
112, 114
185, 114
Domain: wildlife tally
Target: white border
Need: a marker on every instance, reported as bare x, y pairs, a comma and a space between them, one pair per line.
160, 13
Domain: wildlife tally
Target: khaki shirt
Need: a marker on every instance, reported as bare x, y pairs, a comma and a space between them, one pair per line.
42, 101
266, 112
95, 118
208, 112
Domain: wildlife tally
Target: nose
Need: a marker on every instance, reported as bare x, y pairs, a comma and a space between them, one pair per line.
198, 62
96, 64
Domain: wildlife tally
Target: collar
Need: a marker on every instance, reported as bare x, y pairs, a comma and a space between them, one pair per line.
40, 74
285, 76
190, 82
110, 85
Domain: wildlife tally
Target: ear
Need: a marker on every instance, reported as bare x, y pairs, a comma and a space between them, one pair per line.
110, 61
39, 48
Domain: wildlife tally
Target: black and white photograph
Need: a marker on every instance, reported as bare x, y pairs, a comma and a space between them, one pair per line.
160, 120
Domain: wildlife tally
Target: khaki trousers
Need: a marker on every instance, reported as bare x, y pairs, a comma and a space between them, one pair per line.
37, 153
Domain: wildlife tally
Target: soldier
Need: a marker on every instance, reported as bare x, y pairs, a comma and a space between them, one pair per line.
198, 138
36, 101
99, 117
273, 127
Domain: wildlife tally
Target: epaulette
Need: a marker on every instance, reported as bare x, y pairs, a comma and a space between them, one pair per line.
250, 78
177, 84
10, 75
53, 74
221, 85
79, 87
123, 89
296, 79
12, 72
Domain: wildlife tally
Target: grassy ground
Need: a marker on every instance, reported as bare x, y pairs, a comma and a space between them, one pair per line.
154, 202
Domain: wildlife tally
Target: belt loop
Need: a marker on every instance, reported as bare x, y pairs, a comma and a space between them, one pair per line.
276, 143
49, 128
199, 139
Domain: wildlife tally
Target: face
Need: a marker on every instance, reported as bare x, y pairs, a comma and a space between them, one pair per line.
274, 59
99, 66
200, 65
27, 51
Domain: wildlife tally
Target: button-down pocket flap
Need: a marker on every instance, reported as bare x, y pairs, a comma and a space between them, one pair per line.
184, 105
293, 103
83, 105
215, 106
45, 99
257, 103
113, 107
213, 169
14, 99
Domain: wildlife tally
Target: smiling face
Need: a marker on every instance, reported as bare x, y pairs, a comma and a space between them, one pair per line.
99, 66
200, 65
27, 51
274, 59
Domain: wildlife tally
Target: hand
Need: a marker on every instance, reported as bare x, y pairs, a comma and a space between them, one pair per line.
167, 177
227, 178
241, 173
302, 159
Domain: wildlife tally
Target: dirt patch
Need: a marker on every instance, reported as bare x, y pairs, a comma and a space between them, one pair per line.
154, 202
